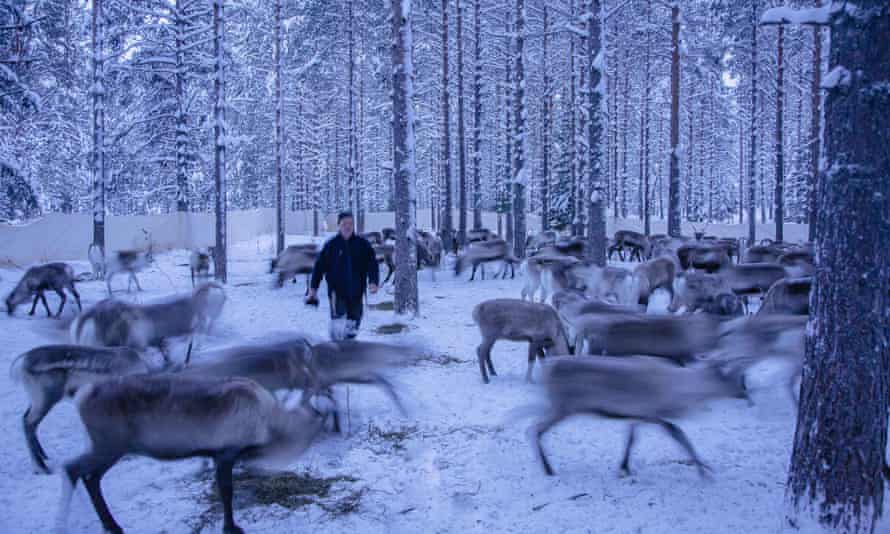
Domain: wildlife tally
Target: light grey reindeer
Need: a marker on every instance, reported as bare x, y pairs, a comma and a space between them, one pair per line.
55, 276
752, 278
118, 323
586, 320
654, 274
170, 417
486, 251
542, 272
51, 372
199, 264
518, 320
294, 260
129, 262
636, 389
679, 339
764, 337
709, 293
293, 363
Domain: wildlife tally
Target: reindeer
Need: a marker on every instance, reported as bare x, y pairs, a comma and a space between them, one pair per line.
96, 256
518, 320
752, 278
534, 243
126, 261
545, 271
384, 254
655, 274
199, 264
51, 372
706, 256
798, 263
173, 417
637, 389
294, 260
484, 252
36, 280
789, 296
612, 284
637, 243
766, 337
375, 238
709, 293
388, 234
118, 323
763, 254
678, 339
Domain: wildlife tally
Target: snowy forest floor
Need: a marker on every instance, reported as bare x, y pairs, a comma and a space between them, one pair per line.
458, 462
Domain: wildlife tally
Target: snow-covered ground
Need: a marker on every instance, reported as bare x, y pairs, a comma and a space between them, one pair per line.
458, 462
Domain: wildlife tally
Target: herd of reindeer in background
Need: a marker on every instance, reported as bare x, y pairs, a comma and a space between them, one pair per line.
609, 352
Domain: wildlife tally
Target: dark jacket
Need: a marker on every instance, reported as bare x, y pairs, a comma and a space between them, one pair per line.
346, 265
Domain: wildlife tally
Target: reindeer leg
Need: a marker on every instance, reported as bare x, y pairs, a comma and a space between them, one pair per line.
61, 294
34, 304
136, 280
625, 463
76, 296
40, 406
224, 464
108, 283
538, 430
45, 304
680, 437
483, 352
91, 467
532, 353
188, 352
473, 274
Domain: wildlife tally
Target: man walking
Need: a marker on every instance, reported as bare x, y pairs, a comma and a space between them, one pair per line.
347, 262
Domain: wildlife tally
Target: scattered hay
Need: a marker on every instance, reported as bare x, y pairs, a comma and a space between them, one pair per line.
386, 305
289, 491
392, 328
394, 439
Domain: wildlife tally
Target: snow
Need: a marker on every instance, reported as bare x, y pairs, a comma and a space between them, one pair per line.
839, 76
785, 14
464, 465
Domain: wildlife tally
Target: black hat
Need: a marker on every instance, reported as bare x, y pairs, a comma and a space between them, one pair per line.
343, 215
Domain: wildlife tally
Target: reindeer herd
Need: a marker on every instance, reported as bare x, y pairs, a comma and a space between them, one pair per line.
605, 350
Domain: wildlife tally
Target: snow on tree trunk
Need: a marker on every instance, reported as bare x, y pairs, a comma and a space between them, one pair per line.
573, 191
477, 115
520, 172
404, 165
98, 112
835, 482
461, 133
673, 223
447, 221
596, 220
506, 190
279, 136
646, 136
219, 139
625, 127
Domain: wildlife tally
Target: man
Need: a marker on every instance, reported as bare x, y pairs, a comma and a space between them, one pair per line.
347, 262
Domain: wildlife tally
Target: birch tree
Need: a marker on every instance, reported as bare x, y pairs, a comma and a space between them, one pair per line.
219, 139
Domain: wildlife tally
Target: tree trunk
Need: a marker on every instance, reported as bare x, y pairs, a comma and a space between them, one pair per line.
815, 129
520, 172
404, 165
219, 139
98, 102
477, 116
181, 134
596, 204
446, 223
647, 226
350, 92
624, 129
545, 126
279, 136
835, 482
573, 193
779, 215
673, 222
461, 134
752, 161
508, 134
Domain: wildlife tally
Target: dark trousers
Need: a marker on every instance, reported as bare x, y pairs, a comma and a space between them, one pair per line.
350, 308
